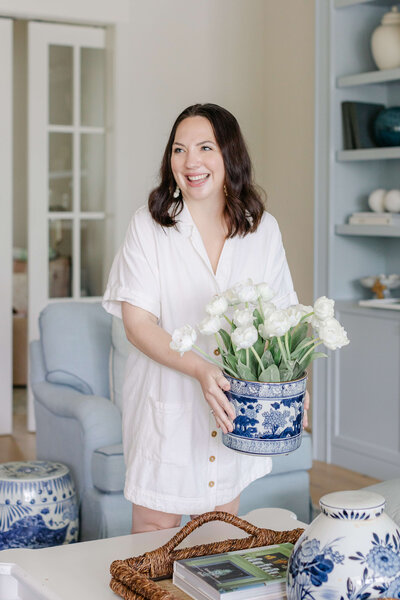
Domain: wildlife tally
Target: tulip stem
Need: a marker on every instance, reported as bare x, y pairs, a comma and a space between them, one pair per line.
287, 343
229, 321
281, 348
247, 357
254, 351
316, 343
216, 362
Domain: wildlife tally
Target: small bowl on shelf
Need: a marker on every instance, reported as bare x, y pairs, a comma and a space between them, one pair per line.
387, 282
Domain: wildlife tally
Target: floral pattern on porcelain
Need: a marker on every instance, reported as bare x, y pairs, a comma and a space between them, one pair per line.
38, 505
354, 515
269, 416
360, 563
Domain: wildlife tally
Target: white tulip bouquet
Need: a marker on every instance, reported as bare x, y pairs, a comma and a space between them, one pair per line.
263, 343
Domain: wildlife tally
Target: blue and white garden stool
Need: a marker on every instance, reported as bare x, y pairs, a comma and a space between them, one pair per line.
38, 505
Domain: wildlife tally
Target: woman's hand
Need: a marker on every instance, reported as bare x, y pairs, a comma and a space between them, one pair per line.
212, 383
306, 407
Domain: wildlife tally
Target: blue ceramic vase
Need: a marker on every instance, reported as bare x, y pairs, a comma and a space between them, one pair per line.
351, 551
269, 416
387, 127
38, 505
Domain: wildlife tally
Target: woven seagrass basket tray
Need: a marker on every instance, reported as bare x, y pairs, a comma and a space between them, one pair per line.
134, 578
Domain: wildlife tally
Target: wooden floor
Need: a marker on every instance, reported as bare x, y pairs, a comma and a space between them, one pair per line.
324, 478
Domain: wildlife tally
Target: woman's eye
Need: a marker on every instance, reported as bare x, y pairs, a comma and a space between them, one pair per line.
206, 148
178, 150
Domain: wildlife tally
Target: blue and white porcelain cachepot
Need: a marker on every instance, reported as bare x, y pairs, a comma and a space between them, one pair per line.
269, 416
38, 505
351, 551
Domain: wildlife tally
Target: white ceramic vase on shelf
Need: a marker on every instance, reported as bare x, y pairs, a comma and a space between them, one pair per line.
385, 41
351, 551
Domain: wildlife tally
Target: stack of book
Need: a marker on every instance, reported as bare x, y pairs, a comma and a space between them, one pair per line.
374, 218
256, 573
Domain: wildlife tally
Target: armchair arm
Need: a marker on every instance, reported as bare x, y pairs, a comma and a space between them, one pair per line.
71, 425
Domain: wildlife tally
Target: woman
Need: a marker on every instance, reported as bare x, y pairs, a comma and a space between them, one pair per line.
205, 229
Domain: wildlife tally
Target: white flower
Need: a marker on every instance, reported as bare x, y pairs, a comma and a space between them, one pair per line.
183, 339
243, 317
294, 315
244, 337
265, 292
323, 308
217, 306
247, 291
210, 325
275, 325
315, 323
306, 310
231, 296
267, 309
333, 334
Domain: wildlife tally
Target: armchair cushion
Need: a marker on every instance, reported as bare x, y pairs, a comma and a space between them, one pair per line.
108, 468
76, 341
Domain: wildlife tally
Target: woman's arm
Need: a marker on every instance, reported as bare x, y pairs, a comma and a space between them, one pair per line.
144, 333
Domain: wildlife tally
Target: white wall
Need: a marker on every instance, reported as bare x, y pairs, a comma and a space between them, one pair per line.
256, 59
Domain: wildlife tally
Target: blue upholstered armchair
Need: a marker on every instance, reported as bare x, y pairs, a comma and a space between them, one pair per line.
77, 369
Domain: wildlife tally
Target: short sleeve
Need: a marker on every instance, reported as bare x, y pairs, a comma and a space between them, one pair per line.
134, 275
278, 273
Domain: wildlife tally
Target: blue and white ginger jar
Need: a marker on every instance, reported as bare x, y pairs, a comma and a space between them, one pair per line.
38, 505
269, 416
351, 551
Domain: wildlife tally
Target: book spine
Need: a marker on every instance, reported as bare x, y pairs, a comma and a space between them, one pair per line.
368, 221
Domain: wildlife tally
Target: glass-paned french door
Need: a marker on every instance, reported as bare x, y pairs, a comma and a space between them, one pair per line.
6, 203
66, 165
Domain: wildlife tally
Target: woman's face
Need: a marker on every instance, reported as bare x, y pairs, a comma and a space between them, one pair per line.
196, 160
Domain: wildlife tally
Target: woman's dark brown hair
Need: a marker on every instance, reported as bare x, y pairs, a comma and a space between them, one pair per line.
244, 206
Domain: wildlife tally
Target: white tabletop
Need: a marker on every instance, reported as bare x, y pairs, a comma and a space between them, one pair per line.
81, 571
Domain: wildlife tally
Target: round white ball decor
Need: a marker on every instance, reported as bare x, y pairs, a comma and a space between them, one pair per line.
376, 199
392, 201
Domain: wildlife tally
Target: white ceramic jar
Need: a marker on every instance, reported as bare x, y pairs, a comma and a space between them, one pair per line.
351, 550
385, 41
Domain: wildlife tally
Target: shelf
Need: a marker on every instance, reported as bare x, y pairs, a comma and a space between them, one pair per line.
369, 230
384, 76
369, 154
345, 3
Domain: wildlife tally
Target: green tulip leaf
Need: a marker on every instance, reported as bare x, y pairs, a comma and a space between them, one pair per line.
267, 359
226, 338
302, 348
245, 372
298, 334
230, 361
270, 375
258, 318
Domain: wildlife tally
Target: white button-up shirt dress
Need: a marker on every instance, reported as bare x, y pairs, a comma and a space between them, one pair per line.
175, 459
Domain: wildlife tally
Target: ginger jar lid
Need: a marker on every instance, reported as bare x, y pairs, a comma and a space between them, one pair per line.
392, 17
354, 505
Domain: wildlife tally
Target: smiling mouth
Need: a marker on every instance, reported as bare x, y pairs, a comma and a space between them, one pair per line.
197, 178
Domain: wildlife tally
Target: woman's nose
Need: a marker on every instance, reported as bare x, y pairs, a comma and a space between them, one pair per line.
192, 159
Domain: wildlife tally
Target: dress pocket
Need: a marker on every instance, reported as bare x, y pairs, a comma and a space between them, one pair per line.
167, 433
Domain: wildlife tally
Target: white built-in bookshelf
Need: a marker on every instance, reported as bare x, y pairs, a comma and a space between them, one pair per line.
356, 419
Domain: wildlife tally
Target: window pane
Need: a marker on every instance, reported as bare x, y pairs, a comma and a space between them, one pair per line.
60, 171
60, 258
92, 253
92, 87
60, 85
92, 172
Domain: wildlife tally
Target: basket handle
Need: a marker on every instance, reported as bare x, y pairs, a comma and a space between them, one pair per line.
197, 522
